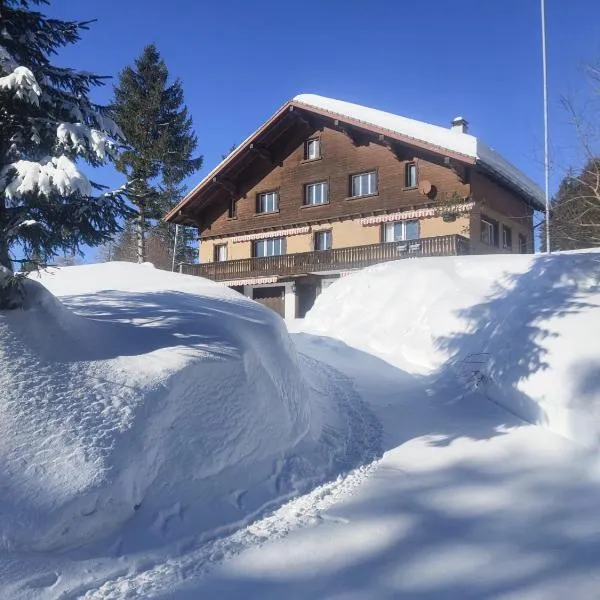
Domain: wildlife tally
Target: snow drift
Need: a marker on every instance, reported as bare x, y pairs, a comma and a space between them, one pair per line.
525, 329
152, 403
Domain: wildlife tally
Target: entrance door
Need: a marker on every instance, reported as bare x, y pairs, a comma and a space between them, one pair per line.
273, 297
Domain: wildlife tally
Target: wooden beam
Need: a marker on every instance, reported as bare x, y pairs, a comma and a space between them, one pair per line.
461, 170
227, 185
300, 118
262, 152
356, 137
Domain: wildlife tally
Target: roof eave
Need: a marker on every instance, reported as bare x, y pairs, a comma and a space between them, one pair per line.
175, 211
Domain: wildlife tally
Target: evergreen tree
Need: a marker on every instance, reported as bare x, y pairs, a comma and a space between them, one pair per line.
47, 123
151, 113
575, 210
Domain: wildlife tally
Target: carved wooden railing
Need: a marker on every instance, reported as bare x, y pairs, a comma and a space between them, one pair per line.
353, 257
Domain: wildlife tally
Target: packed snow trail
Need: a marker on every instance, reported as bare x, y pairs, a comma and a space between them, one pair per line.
468, 502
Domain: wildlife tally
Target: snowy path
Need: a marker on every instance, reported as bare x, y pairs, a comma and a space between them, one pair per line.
467, 502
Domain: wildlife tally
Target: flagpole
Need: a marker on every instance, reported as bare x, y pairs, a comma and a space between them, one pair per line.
546, 161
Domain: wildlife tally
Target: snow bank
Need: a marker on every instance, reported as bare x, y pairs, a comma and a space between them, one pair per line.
526, 328
156, 404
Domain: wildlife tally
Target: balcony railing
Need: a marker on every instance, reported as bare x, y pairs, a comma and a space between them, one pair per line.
338, 259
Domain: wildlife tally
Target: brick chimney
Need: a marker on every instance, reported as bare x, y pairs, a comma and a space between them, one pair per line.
459, 125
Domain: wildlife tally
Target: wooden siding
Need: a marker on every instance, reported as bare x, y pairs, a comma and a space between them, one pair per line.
340, 160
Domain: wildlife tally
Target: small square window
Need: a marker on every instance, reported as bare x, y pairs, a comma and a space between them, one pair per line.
220, 253
316, 193
312, 149
410, 175
364, 184
267, 202
323, 240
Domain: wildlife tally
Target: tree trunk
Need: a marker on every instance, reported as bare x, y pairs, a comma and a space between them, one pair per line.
140, 235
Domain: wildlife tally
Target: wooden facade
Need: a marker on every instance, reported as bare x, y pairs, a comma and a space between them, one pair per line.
466, 208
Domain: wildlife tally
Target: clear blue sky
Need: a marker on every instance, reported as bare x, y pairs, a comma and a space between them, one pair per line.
430, 60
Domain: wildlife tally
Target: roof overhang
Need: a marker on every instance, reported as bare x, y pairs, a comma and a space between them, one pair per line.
372, 122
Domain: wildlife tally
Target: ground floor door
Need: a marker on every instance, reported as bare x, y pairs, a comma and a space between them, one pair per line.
273, 297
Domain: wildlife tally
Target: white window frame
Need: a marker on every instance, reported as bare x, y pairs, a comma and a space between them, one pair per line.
505, 230
410, 168
364, 184
220, 253
327, 234
489, 227
389, 230
312, 149
314, 198
271, 247
268, 202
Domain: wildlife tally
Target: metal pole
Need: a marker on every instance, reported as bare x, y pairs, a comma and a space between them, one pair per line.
175, 247
546, 161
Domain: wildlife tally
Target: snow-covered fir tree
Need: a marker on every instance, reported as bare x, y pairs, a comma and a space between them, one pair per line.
159, 156
48, 125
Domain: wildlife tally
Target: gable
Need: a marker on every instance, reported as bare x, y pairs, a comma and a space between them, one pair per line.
272, 142
341, 157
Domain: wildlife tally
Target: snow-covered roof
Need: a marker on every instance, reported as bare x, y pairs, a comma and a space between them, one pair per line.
442, 137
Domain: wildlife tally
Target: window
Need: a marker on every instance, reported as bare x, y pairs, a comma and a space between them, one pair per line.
220, 252
506, 237
489, 232
316, 193
523, 246
410, 175
364, 184
270, 247
267, 202
401, 231
231, 213
312, 149
323, 240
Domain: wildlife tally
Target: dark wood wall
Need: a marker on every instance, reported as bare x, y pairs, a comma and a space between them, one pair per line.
341, 158
500, 199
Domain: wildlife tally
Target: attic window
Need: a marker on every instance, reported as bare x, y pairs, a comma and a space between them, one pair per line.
410, 175
231, 213
312, 149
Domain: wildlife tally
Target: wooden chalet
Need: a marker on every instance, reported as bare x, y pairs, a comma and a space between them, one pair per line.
325, 187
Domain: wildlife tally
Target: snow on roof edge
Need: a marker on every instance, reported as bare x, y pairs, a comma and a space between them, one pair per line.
463, 143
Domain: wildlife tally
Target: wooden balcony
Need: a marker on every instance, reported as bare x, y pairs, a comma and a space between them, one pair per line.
338, 259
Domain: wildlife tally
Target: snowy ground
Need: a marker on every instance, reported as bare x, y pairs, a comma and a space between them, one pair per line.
434, 363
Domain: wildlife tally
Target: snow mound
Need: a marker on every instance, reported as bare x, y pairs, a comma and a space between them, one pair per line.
153, 404
524, 329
